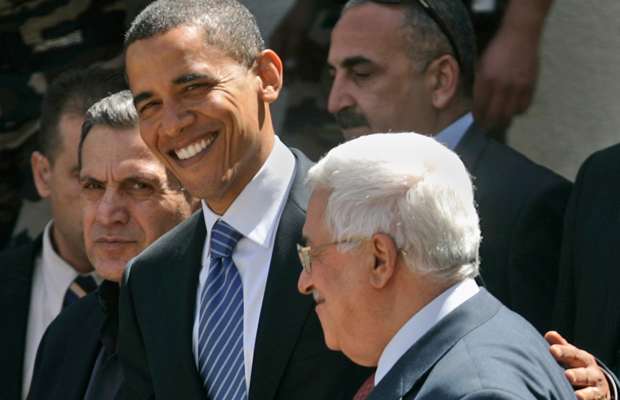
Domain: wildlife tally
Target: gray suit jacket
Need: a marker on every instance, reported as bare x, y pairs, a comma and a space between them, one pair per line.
481, 350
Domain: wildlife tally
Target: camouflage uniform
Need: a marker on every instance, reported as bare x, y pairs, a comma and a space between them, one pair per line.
39, 39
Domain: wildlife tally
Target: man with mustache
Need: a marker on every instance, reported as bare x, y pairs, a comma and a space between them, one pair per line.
128, 200
409, 66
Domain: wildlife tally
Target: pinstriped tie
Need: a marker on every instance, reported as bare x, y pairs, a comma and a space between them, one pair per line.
80, 287
220, 337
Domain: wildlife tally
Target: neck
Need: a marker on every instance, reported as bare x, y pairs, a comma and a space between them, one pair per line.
76, 258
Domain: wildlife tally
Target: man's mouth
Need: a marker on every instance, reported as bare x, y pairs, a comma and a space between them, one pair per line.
194, 148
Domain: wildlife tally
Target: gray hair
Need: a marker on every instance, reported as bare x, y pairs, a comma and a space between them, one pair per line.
116, 111
228, 25
425, 42
409, 187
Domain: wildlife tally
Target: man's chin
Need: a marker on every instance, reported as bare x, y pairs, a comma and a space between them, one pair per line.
352, 133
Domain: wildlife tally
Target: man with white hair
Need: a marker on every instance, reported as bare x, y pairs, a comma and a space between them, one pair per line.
392, 240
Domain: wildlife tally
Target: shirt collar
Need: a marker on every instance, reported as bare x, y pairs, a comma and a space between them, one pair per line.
255, 211
422, 322
452, 135
57, 273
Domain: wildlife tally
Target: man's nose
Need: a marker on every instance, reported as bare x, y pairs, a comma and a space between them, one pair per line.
175, 117
340, 97
304, 284
112, 209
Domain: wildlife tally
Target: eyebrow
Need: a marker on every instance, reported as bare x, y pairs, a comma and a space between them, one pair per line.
353, 61
176, 82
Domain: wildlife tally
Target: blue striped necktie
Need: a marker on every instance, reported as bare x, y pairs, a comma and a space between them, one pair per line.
80, 287
220, 338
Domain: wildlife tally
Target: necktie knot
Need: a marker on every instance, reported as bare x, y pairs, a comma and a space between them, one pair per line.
224, 238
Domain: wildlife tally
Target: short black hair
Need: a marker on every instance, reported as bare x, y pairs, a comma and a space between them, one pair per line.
425, 42
115, 111
228, 25
73, 92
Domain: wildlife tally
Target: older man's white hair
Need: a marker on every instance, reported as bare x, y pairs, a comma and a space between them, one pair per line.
409, 187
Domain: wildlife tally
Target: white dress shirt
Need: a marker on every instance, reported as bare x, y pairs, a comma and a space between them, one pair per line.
422, 322
51, 278
255, 213
452, 135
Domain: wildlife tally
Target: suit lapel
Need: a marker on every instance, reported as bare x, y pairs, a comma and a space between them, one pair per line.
85, 337
284, 309
182, 298
15, 289
409, 373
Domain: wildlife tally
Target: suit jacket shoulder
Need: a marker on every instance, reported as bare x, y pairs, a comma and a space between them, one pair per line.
68, 351
16, 270
485, 351
588, 299
521, 207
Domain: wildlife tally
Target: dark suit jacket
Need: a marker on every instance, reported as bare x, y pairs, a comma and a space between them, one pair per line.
587, 308
69, 349
16, 269
481, 350
291, 360
521, 207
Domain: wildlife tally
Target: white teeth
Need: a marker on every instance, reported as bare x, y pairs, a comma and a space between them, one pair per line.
193, 149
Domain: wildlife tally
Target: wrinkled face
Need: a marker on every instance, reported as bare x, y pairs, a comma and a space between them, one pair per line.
200, 113
376, 87
126, 197
64, 192
337, 283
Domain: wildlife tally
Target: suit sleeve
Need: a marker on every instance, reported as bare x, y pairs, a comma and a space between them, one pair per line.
131, 352
535, 249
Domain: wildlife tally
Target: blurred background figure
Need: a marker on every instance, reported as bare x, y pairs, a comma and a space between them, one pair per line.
43, 277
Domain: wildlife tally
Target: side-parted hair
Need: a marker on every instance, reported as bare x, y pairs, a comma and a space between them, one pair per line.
228, 25
425, 42
73, 92
115, 111
409, 187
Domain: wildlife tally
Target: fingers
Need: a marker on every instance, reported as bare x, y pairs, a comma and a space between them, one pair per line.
555, 338
592, 393
585, 376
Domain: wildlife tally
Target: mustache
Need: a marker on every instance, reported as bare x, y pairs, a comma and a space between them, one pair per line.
317, 295
351, 119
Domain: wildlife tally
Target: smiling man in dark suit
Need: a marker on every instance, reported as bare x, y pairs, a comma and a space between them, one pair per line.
392, 242
399, 66
210, 309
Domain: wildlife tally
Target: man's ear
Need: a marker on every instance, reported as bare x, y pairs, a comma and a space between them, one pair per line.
385, 254
444, 74
42, 172
269, 68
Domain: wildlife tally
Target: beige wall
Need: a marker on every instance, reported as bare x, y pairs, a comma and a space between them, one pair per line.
576, 108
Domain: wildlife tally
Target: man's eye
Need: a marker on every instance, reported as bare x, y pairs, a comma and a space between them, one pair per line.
147, 106
362, 75
92, 186
139, 185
